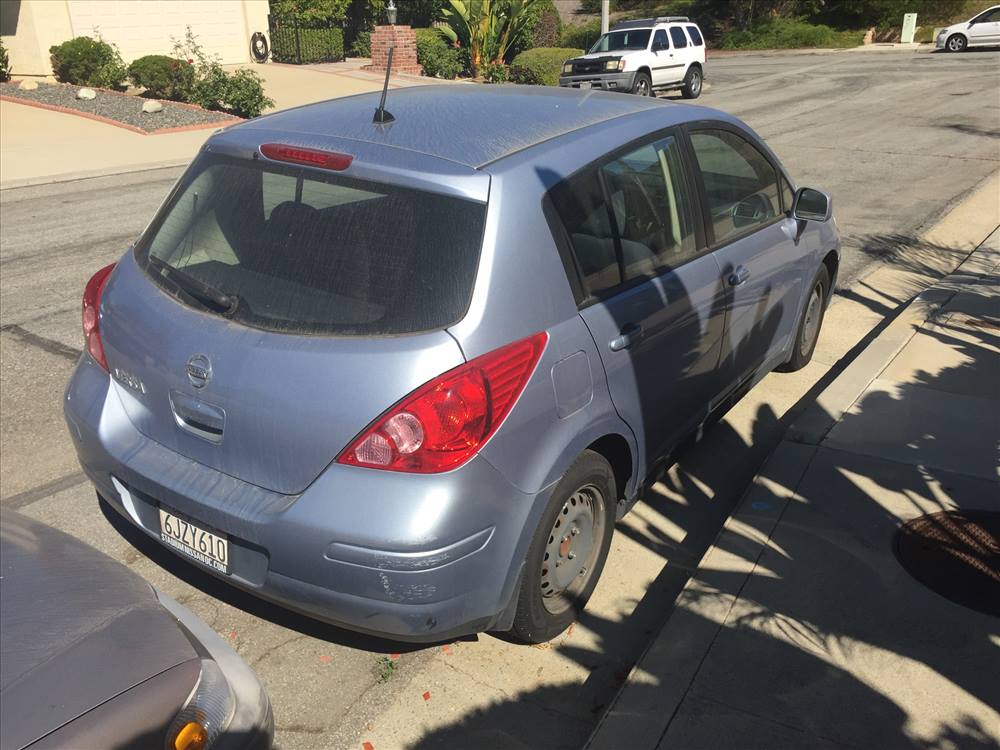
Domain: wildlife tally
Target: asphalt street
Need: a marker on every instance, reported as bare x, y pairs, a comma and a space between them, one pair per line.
896, 137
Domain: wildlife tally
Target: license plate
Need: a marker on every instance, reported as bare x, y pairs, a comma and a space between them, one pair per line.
204, 546
585, 84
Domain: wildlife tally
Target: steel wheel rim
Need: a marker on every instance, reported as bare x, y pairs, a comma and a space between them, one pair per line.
955, 44
810, 325
643, 88
572, 548
695, 82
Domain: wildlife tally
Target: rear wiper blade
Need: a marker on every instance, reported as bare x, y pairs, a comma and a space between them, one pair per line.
202, 292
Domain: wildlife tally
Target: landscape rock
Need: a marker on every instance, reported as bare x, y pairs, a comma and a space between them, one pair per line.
27, 85
151, 106
86, 94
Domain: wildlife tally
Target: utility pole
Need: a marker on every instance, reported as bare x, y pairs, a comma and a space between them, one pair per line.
605, 12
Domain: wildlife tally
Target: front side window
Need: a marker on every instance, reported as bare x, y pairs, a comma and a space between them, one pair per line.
304, 251
660, 40
677, 34
630, 218
695, 36
618, 41
741, 185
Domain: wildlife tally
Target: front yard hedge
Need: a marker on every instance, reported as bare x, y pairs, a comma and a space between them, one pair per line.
88, 62
163, 77
438, 57
315, 45
541, 65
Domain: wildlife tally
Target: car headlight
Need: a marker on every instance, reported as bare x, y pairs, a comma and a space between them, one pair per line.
205, 714
567, 67
611, 65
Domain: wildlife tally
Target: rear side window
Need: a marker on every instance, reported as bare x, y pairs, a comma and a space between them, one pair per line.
305, 251
630, 218
677, 34
695, 35
741, 185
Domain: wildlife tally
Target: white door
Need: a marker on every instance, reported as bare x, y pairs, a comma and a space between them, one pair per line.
683, 52
662, 61
986, 28
145, 27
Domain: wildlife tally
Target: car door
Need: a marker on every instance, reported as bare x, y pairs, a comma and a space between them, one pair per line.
662, 61
653, 298
754, 242
985, 28
683, 53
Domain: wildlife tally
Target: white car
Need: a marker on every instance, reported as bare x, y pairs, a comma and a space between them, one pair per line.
980, 31
642, 57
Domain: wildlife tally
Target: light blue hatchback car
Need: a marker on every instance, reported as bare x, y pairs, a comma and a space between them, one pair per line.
404, 376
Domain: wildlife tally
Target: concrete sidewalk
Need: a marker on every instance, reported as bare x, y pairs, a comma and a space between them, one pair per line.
38, 146
800, 628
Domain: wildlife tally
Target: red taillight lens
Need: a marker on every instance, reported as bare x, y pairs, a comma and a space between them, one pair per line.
91, 319
309, 156
445, 422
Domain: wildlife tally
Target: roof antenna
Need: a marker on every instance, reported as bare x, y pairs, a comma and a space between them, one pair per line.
382, 116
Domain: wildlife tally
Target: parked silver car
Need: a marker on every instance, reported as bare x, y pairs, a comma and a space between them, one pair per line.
404, 377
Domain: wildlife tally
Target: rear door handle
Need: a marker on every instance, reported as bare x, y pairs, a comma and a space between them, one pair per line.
629, 335
739, 275
195, 416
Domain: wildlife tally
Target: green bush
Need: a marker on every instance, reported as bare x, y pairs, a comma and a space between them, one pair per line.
315, 45
437, 56
88, 62
542, 28
362, 46
4, 64
541, 65
494, 72
240, 93
582, 36
163, 77
786, 33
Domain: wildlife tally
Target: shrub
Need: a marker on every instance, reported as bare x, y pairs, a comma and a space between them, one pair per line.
582, 36
789, 33
240, 93
494, 72
542, 28
163, 77
362, 46
88, 62
437, 56
542, 65
4, 64
315, 45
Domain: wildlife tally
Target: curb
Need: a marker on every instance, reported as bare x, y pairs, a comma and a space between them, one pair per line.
116, 123
640, 714
90, 174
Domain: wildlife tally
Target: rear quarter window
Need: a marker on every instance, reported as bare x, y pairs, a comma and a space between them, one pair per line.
695, 35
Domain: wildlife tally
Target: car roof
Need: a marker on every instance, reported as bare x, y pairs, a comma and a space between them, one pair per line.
473, 125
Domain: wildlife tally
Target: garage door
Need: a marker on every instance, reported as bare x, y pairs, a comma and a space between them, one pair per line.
145, 27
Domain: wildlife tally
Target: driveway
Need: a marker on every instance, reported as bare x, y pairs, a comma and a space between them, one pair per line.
896, 137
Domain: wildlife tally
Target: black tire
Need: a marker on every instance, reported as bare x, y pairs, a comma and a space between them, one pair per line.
541, 616
809, 327
259, 48
693, 83
642, 85
956, 43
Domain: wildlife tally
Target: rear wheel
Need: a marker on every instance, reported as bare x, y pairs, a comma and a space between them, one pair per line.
956, 43
568, 550
692, 83
810, 323
643, 85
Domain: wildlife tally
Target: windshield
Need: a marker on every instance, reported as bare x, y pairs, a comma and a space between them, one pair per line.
615, 41
305, 251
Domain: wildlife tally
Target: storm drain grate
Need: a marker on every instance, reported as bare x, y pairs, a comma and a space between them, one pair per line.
955, 554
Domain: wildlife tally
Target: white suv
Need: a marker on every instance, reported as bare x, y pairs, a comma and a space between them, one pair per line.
641, 57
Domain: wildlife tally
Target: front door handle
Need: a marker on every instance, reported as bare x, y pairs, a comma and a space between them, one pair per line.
739, 275
629, 335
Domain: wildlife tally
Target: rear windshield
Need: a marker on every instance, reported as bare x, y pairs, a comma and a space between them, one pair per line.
303, 251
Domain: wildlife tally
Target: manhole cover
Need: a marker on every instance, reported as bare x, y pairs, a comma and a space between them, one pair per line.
955, 554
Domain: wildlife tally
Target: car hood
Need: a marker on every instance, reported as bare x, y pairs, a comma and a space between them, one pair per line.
77, 629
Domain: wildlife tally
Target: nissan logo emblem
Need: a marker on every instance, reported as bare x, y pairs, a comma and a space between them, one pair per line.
199, 370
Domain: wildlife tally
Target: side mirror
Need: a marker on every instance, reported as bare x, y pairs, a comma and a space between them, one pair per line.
811, 205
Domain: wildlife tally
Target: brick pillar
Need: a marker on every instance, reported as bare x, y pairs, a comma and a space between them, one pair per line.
404, 58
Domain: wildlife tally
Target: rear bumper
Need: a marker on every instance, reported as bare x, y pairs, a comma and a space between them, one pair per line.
410, 557
605, 81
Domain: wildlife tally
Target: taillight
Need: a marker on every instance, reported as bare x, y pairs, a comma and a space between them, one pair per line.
91, 319
446, 421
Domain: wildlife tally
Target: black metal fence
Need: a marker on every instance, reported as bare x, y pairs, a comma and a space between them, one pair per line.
300, 42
